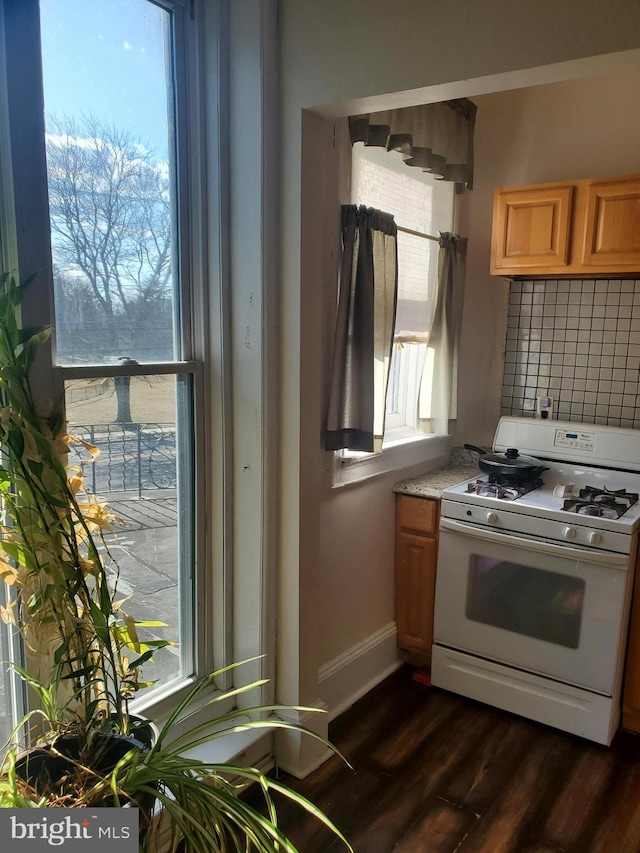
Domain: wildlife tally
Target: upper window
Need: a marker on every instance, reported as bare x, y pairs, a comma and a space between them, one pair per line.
113, 184
422, 207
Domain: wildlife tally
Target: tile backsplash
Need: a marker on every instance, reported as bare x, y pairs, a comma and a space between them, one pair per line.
578, 342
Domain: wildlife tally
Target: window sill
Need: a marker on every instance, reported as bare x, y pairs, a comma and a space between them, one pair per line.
398, 454
250, 747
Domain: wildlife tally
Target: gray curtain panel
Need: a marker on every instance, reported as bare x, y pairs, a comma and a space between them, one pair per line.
364, 330
440, 388
437, 138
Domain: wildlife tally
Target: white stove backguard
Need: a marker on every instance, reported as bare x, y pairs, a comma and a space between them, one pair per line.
589, 444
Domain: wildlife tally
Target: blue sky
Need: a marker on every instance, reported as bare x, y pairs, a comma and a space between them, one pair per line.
106, 57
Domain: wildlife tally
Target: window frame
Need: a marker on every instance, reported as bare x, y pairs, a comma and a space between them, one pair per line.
201, 326
402, 447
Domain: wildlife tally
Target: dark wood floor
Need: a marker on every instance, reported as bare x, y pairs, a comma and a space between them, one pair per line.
436, 773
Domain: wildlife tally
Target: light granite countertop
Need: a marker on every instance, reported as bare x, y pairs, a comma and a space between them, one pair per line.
462, 465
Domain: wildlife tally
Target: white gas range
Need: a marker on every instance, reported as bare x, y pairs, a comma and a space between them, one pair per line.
535, 575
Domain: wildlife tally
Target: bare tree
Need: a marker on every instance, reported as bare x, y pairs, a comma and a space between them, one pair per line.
110, 211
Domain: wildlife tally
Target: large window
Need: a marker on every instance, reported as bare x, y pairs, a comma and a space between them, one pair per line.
422, 207
114, 178
111, 225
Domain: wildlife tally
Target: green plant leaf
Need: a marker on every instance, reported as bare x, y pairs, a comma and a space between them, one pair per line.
148, 655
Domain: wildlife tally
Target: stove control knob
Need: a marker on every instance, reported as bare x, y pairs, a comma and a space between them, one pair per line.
492, 517
569, 533
594, 538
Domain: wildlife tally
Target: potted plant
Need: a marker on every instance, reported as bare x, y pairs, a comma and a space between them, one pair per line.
54, 556
88, 654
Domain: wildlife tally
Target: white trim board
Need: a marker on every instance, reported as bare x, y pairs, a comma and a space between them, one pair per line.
346, 678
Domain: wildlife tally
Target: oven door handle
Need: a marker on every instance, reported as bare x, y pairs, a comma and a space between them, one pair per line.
601, 558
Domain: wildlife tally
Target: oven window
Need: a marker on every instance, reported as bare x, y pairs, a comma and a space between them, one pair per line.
537, 603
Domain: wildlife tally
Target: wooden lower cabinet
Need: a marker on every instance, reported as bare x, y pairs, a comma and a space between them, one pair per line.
415, 566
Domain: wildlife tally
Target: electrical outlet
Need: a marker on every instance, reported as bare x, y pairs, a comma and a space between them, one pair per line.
544, 407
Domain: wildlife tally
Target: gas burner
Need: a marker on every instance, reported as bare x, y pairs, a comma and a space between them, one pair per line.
603, 503
494, 487
587, 507
605, 495
593, 509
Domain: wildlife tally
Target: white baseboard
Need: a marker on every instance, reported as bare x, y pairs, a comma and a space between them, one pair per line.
346, 678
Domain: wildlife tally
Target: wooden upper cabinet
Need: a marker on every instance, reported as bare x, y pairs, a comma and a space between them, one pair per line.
531, 228
612, 235
586, 228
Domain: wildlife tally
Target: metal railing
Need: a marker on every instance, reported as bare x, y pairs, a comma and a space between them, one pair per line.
134, 457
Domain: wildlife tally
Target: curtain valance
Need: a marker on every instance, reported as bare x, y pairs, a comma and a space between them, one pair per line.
437, 138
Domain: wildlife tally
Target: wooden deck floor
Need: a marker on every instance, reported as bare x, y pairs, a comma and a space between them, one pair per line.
436, 773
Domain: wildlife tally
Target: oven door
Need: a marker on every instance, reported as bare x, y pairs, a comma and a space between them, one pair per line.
552, 609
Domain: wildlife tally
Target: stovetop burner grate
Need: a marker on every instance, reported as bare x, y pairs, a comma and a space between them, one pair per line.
506, 490
601, 502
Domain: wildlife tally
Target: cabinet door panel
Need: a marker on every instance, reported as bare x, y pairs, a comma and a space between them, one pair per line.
531, 228
612, 233
415, 588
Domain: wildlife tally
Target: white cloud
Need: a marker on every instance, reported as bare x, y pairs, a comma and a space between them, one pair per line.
63, 140
127, 45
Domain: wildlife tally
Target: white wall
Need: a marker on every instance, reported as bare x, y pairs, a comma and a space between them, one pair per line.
336, 51
336, 548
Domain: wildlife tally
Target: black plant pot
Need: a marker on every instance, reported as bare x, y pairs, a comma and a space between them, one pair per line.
46, 765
